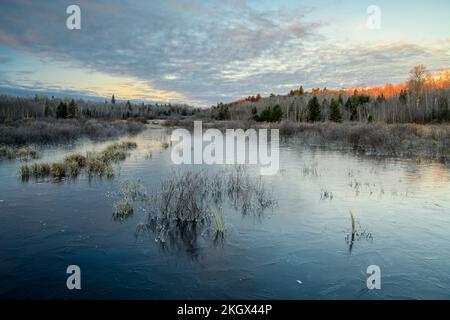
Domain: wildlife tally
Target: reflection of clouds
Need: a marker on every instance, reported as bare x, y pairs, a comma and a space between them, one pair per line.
201, 50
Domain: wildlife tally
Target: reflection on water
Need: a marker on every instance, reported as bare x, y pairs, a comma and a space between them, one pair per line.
188, 204
357, 233
400, 223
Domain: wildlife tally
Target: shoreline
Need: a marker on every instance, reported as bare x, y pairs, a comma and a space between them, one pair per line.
412, 141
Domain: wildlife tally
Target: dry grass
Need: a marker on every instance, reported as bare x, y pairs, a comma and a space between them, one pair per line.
24, 153
62, 131
94, 164
123, 210
24, 172
58, 170
188, 202
402, 140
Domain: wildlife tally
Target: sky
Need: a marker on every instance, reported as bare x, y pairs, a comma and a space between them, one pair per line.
205, 52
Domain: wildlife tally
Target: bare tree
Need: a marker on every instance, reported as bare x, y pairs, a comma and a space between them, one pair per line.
416, 82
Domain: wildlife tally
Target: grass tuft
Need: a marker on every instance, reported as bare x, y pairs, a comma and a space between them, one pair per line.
58, 170
24, 153
40, 170
24, 172
123, 209
76, 157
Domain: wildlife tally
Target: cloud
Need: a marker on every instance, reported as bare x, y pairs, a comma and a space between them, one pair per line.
4, 59
204, 51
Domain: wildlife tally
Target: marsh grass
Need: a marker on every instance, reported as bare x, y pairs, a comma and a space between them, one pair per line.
46, 131
76, 157
357, 233
187, 203
24, 153
58, 170
117, 151
165, 145
219, 223
98, 166
326, 195
123, 210
94, 164
40, 170
24, 172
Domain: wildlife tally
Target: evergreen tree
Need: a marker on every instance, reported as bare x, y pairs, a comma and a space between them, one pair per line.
46, 109
254, 113
301, 90
340, 100
61, 110
269, 114
444, 112
335, 112
277, 114
72, 109
314, 109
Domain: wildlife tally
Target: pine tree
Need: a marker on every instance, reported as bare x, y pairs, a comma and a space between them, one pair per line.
340, 100
61, 110
335, 112
444, 112
277, 114
72, 109
314, 109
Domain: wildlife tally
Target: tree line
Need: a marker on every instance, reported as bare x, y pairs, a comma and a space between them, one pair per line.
422, 99
37, 107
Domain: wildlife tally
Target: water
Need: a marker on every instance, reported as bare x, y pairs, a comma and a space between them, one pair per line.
402, 208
